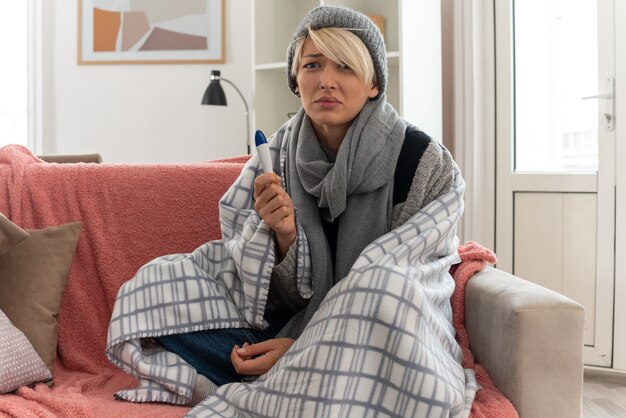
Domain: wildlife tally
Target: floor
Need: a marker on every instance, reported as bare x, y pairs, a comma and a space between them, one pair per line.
604, 396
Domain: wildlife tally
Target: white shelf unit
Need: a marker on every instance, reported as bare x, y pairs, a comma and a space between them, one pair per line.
274, 24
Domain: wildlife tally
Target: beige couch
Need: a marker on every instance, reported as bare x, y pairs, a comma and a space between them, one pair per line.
530, 339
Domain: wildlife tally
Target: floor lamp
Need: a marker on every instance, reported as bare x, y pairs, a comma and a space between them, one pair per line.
214, 95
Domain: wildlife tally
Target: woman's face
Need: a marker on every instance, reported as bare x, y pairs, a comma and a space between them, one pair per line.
332, 95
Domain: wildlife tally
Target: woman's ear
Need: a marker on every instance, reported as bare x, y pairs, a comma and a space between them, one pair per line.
373, 91
297, 91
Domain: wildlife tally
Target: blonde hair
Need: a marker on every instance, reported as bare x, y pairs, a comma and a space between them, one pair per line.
341, 46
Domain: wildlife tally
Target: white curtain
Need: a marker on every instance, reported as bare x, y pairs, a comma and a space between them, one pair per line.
473, 112
36, 11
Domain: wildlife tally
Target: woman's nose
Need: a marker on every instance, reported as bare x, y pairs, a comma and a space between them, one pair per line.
328, 77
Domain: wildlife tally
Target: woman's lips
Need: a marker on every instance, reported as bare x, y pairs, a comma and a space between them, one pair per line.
328, 102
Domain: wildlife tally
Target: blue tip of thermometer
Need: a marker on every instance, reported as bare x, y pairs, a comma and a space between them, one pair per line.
263, 149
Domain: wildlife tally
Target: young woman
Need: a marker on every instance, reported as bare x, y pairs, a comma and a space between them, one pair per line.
350, 175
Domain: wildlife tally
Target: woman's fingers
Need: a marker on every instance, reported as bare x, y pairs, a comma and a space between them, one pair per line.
275, 206
258, 348
270, 193
262, 181
236, 359
267, 354
278, 207
254, 367
245, 364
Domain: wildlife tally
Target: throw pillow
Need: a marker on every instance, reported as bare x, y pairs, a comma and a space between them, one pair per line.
10, 234
32, 278
19, 363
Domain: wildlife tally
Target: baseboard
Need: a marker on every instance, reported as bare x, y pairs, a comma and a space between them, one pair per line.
604, 374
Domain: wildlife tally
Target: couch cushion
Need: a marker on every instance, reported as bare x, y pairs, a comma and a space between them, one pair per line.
32, 278
19, 363
10, 234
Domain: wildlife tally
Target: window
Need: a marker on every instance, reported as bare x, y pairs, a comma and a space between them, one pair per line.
13, 72
556, 65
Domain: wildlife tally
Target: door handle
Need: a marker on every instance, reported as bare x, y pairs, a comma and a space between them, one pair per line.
609, 107
598, 96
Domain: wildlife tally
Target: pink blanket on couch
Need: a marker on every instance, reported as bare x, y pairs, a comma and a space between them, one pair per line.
130, 215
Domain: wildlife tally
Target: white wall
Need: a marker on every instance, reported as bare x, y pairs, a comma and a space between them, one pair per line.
142, 113
421, 43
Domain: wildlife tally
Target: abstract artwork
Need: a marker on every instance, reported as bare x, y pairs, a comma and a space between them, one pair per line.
150, 31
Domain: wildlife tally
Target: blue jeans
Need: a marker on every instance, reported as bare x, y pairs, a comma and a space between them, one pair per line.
209, 351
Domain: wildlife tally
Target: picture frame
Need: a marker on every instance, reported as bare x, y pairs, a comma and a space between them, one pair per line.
151, 31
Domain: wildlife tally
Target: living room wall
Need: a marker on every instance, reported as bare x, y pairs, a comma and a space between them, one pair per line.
141, 113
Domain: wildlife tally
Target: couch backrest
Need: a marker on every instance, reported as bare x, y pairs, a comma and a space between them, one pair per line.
130, 215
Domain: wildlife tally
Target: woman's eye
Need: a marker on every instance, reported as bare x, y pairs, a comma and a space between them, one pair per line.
311, 65
343, 67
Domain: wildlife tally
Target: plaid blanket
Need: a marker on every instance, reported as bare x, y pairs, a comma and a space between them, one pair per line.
381, 344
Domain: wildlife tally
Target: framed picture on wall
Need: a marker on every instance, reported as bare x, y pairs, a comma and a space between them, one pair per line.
150, 31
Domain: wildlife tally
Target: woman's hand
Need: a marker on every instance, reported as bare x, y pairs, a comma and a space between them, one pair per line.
257, 359
275, 207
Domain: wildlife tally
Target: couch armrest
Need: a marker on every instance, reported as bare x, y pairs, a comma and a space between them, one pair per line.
530, 339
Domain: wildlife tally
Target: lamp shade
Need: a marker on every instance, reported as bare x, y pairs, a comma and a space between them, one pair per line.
214, 93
